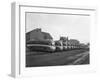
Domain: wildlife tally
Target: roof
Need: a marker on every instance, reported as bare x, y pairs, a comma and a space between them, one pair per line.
47, 35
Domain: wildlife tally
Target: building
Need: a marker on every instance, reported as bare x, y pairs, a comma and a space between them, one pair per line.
37, 34
73, 42
64, 39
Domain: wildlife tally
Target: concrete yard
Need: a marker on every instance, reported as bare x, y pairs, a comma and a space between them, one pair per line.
71, 57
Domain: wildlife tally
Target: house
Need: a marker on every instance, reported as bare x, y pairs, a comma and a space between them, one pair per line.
37, 34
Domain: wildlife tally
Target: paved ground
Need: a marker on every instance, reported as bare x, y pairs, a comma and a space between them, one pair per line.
73, 57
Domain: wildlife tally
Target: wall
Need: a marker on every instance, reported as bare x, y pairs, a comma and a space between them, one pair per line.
5, 41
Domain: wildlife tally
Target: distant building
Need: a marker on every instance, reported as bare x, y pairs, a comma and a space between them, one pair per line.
37, 34
64, 39
82, 45
73, 42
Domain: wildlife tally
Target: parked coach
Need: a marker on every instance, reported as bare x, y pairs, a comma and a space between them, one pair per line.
45, 45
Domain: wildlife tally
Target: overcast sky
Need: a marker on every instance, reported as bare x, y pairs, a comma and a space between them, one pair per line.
73, 26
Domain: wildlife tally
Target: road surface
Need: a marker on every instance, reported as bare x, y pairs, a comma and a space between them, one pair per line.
73, 57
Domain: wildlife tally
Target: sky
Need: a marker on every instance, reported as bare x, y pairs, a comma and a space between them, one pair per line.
73, 26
